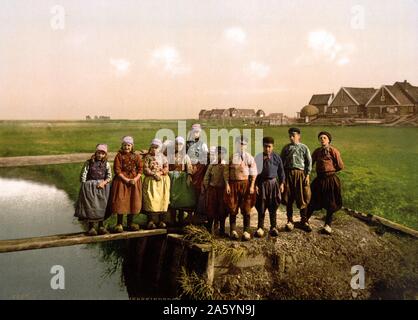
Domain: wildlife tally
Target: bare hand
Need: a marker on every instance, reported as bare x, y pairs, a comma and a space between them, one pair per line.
228, 189
132, 181
101, 185
281, 188
306, 180
252, 190
257, 190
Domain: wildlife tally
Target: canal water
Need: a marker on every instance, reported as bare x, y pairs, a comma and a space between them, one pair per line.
29, 209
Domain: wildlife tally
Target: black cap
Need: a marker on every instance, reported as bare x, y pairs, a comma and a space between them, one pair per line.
268, 140
292, 130
326, 134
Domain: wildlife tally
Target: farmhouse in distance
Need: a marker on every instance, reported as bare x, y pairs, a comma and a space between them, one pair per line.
390, 104
245, 115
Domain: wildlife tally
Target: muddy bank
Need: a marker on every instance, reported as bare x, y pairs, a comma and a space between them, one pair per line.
301, 265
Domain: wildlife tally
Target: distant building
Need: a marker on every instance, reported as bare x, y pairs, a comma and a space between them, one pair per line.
352, 105
219, 114
321, 101
350, 102
398, 99
274, 119
98, 118
230, 114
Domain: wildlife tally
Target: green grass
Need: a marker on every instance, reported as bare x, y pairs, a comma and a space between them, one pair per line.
380, 175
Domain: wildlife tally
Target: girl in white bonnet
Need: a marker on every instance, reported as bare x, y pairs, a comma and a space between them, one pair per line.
156, 185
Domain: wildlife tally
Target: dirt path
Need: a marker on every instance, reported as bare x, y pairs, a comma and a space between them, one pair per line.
44, 160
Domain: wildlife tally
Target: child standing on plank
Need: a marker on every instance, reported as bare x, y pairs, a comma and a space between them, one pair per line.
240, 187
197, 150
269, 186
298, 165
326, 187
94, 192
214, 186
182, 193
126, 194
156, 194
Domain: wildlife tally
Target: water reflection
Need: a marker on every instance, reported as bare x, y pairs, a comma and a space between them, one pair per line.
31, 209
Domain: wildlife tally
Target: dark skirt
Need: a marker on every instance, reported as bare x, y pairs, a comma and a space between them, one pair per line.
215, 207
268, 194
326, 193
199, 171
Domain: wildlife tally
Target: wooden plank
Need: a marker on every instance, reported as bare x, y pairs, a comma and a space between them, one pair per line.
48, 159
383, 221
62, 240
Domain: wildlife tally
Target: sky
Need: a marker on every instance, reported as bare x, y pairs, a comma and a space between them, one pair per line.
65, 59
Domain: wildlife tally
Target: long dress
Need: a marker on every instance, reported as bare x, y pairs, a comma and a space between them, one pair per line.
126, 198
182, 193
198, 153
92, 202
156, 194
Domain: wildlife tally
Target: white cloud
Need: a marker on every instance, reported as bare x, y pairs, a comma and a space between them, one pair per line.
236, 35
342, 61
258, 69
168, 59
121, 66
323, 44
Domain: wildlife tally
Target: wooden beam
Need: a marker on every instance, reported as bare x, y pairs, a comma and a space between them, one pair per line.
383, 221
47, 159
71, 239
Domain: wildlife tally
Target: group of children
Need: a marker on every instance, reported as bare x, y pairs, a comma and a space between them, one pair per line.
181, 176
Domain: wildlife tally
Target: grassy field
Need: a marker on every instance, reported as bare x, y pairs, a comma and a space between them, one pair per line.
380, 176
